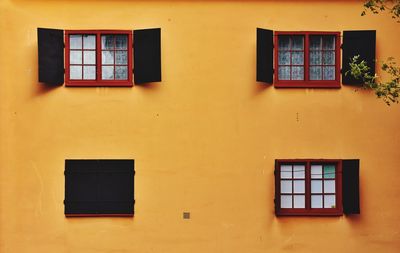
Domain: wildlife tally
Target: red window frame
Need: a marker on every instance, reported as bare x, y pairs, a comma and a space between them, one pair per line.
307, 83
308, 211
98, 82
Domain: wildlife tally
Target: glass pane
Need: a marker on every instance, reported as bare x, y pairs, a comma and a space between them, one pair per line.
75, 41
121, 57
107, 42
75, 72
329, 171
299, 201
299, 171
107, 57
316, 201
89, 72
315, 58
329, 186
284, 42
329, 73
329, 58
315, 42
284, 58
75, 57
316, 171
316, 186
299, 186
329, 201
89, 41
284, 73
286, 186
297, 73
121, 73
297, 42
328, 42
89, 57
286, 171
107, 72
297, 58
121, 41
286, 201
315, 73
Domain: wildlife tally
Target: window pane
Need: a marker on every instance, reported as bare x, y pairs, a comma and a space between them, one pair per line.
121, 41
315, 58
297, 73
89, 72
107, 42
329, 186
329, 201
299, 171
299, 186
329, 73
121, 57
329, 171
107, 57
89, 57
297, 43
284, 58
316, 201
75, 57
328, 42
315, 73
75, 72
329, 58
316, 186
316, 171
284, 73
299, 201
75, 41
89, 41
286, 201
286, 186
284, 42
315, 42
286, 171
107, 72
121, 73
297, 58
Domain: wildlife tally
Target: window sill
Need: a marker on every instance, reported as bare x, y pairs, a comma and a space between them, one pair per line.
307, 84
309, 213
98, 84
98, 215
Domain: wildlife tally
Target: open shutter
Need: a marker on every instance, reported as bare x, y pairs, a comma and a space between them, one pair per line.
147, 55
350, 185
265, 47
51, 56
99, 187
360, 43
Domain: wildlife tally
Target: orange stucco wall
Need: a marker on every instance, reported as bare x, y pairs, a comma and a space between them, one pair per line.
204, 140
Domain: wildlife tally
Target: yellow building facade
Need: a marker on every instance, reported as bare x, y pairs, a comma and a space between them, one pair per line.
204, 140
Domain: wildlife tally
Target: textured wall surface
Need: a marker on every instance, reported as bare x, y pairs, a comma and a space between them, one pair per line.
204, 140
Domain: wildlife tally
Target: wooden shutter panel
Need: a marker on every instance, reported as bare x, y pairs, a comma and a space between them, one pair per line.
99, 187
361, 43
350, 185
147, 55
265, 47
51, 56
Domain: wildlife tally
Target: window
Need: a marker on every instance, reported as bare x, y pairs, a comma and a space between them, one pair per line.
308, 187
307, 59
98, 58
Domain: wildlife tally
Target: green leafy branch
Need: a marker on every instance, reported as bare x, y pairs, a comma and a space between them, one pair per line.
377, 6
388, 90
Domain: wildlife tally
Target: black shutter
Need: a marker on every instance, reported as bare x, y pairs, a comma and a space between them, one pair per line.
99, 187
350, 186
51, 56
360, 43
147, 55
265, 47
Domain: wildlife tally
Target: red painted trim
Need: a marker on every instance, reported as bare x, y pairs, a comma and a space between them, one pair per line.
98, 82
307, 83
99, 215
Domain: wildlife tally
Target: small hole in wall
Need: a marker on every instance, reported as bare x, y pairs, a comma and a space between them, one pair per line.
186, 215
